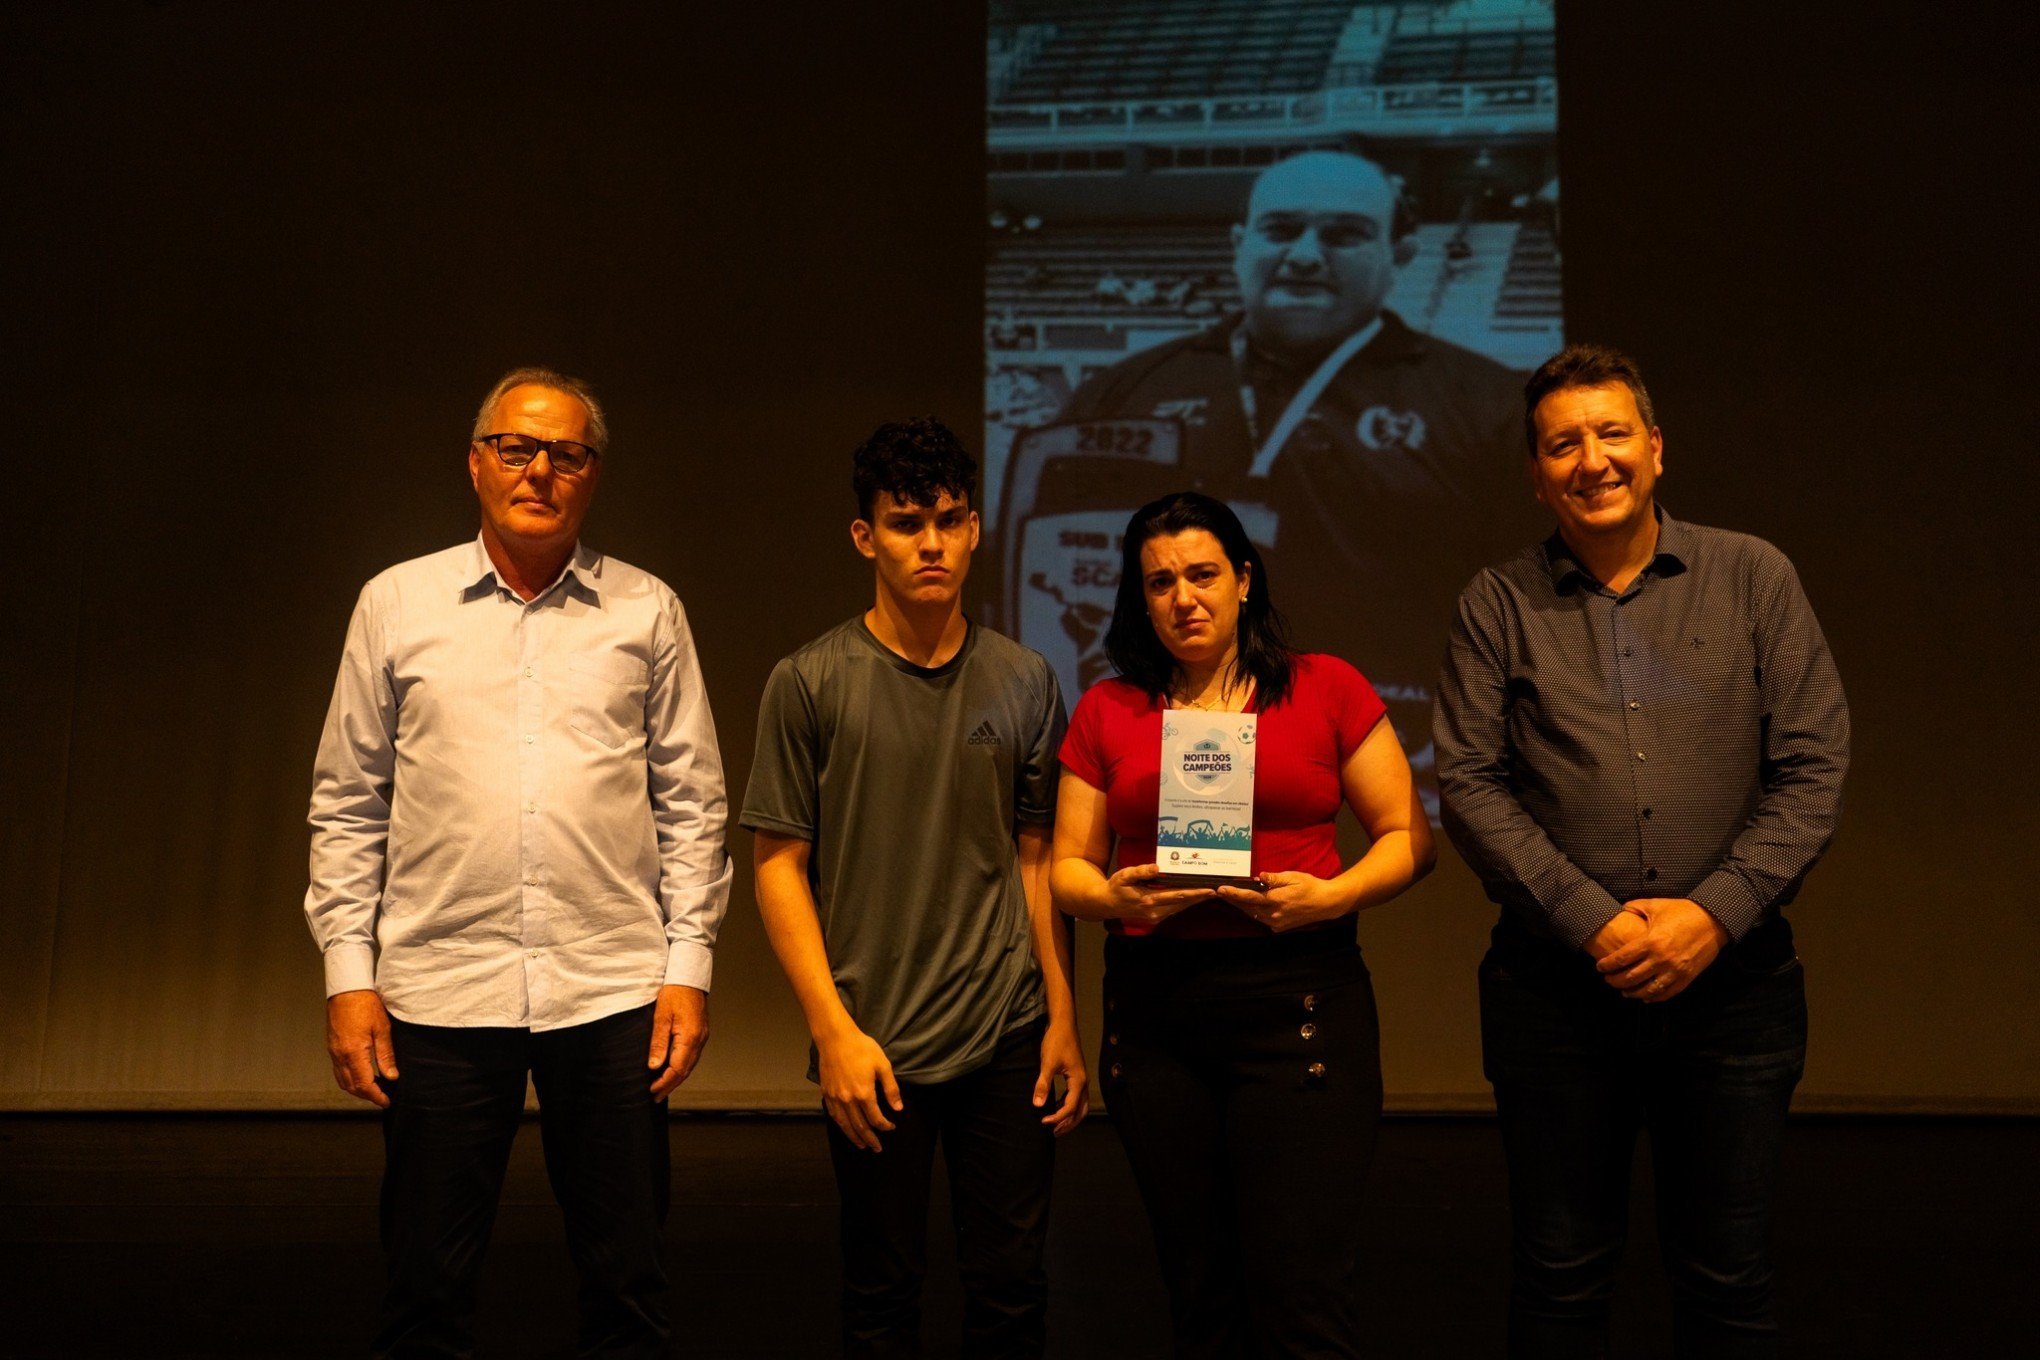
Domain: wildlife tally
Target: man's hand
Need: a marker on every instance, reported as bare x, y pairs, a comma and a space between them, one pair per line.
853, 1068
358, 1042
1132, 895
1293, 899
1680, 940
679, 1033
1624, 928
1062, 1055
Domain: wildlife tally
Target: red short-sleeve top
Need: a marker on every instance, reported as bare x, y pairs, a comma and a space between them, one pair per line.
1114, 744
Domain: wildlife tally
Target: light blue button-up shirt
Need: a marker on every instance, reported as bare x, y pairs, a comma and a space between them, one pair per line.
517, 811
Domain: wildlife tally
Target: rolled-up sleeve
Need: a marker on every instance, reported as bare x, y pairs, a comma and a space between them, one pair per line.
350, 812
689, 806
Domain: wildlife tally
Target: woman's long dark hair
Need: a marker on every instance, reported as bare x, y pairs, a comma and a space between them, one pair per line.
1139, 656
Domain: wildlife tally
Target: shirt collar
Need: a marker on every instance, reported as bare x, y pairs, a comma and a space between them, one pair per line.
1674, 547
1395, 340
583, 574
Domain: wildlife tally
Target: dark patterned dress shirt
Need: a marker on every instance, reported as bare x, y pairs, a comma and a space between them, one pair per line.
1684, 738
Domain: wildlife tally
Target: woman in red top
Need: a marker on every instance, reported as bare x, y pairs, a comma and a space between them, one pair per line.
1241, 1056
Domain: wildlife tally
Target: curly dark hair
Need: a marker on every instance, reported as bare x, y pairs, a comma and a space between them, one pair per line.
914, 461
1584, 366
1139, 656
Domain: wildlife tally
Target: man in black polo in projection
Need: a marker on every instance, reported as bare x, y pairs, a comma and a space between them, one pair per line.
1376, 465
1641, 744
902, 795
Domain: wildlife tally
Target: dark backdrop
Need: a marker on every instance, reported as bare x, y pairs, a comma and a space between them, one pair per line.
263, 261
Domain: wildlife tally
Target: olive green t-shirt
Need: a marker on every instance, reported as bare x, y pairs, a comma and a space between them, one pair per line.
910, 783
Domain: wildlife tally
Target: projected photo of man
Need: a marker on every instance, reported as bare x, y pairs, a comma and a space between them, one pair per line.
1386, 460
1297, 254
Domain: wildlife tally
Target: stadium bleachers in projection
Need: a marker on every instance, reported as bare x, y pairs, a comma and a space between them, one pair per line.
1415, 58
1091, 50
1076, 51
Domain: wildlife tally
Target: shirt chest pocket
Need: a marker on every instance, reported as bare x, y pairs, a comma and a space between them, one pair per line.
1709, 676
606, 697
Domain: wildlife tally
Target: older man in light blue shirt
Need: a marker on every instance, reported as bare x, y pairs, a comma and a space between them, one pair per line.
518, 867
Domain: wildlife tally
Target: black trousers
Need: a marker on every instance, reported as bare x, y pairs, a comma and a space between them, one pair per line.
447, 1135
1001, 1160
1244, 1077
1577, 1070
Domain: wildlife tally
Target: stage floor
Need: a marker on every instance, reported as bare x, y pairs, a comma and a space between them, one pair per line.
255, 1236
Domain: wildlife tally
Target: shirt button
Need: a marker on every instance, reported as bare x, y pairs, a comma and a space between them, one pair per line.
1640, 755
527, 672
1112, 1039
531, 883
1646, 814
1635, 704
1626, 651
531, 807
1310, 1001
536, 952
1117, 1070
1650, 875
1308, 1031
1316, 1071
528, 740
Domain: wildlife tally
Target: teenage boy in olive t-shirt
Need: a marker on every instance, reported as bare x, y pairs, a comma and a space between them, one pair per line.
902, 797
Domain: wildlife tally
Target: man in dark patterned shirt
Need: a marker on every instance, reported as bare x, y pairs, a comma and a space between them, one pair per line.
1641, 743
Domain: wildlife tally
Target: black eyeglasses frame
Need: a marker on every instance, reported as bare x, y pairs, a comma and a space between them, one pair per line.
578, 455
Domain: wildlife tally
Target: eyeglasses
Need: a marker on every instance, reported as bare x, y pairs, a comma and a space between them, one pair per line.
517, 451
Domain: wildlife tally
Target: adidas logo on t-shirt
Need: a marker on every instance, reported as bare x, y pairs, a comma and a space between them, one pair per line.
984, 735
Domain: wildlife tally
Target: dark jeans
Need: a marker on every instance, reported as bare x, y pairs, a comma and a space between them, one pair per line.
447, 1134
1001, 1159
1244, 1077
1577, 1068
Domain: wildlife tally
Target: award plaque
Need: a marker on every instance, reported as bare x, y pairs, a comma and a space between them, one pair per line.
1204, 826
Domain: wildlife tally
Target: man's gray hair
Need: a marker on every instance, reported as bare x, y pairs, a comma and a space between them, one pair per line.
598, 424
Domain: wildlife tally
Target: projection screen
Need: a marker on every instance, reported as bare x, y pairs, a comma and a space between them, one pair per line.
1140, 320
